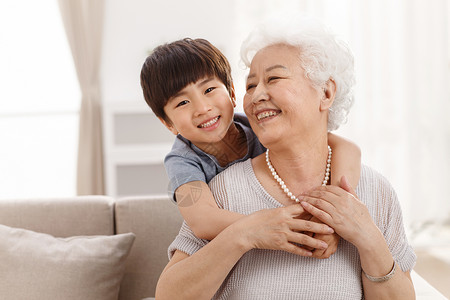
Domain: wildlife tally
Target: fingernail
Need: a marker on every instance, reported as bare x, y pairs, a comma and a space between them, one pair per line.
330, 230
323, 245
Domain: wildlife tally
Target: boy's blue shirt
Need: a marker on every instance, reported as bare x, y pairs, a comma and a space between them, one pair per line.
186, 162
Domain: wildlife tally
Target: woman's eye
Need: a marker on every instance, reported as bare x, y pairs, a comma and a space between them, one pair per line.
209, 90
182, 103
272, 78
250, 86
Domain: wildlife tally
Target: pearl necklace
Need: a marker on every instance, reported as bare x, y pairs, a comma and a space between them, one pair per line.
283, 185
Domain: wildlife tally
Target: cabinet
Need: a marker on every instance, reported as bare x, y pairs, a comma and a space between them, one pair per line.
135, 144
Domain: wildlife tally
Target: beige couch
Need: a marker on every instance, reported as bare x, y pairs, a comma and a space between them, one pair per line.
153, 220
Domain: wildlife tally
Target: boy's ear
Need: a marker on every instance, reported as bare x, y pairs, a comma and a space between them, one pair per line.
329, 92
169, 126
233, 95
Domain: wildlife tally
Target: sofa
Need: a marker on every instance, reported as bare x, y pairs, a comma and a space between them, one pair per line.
154, 221
93, 247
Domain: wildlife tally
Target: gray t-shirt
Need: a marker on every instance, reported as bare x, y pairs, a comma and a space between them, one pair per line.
186, 162
271, 274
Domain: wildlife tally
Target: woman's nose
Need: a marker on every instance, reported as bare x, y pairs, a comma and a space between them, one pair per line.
260, 94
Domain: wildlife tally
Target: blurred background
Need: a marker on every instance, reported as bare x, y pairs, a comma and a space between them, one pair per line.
73, 119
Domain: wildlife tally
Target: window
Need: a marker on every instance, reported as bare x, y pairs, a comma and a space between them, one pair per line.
39, 100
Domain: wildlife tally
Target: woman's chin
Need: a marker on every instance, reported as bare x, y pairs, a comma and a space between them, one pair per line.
268, 140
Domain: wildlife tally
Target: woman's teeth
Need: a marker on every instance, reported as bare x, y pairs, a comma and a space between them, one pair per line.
266, 114
209, 123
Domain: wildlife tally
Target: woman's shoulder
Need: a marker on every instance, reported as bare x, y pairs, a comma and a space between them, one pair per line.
372, 178
375, 190
234, 172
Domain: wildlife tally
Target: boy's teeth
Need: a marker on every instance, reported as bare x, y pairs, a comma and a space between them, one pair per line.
266, 114
209, 123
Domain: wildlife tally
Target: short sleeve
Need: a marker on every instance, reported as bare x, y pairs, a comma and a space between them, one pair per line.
395, 236
181, 170
387, 214
186, 242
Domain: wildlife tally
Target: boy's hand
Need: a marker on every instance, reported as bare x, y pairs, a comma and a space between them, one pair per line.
332, 240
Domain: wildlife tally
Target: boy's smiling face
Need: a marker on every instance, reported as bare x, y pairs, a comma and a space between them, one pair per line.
202, 112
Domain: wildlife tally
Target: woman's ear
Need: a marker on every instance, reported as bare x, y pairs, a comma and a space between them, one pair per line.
329, 92
169, 126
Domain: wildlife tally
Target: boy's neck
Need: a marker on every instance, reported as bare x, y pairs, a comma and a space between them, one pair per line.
232, 147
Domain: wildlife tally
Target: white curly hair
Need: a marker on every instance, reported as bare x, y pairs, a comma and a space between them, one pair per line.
323, 57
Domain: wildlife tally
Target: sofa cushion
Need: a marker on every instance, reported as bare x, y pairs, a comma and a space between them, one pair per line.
156, 221
60, 217
39, 266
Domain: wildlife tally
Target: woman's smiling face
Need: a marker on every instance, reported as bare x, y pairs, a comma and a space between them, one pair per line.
280, 102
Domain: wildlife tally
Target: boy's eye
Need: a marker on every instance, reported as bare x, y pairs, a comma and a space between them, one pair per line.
209, 90
182, 103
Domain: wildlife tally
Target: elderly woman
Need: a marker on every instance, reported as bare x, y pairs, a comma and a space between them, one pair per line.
299, 86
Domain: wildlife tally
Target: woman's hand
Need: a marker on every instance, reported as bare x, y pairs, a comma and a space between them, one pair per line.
342, 210
280, 229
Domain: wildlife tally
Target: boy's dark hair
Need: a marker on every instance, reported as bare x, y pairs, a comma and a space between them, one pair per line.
171, 67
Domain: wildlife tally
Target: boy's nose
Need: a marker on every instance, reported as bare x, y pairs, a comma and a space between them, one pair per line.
202, 107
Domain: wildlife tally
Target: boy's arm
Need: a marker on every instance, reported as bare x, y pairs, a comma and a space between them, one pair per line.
346, 160
200, 211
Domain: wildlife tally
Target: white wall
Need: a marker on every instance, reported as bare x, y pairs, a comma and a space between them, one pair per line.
134, 27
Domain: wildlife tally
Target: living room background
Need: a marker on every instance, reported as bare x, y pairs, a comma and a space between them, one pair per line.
399, 119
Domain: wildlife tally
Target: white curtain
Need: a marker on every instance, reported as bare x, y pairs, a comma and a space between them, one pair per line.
83, 22
400, 117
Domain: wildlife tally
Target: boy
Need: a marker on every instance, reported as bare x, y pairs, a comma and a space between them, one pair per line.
188, 86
